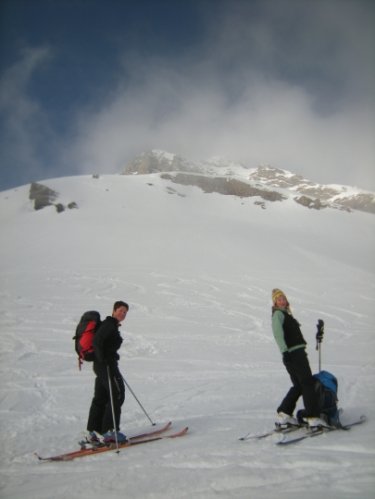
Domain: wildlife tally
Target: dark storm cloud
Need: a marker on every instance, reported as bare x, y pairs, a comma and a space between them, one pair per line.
25, 134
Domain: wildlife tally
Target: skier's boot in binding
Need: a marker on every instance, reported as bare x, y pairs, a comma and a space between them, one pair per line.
315, 423
284, 420
110, 437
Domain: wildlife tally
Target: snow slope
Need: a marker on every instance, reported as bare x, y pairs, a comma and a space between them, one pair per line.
197, 270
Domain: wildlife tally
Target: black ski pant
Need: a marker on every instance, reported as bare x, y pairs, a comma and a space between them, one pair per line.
100, 415
298, 367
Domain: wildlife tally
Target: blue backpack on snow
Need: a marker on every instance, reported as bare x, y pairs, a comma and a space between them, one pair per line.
326, 387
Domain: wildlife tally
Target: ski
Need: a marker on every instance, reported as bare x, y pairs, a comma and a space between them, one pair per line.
136, 440
98, 450
86, 445
274, 431
278, 430
309, 433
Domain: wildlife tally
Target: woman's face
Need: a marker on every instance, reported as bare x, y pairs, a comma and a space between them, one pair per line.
281, 301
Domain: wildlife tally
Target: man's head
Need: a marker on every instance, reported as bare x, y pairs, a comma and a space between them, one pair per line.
120, 309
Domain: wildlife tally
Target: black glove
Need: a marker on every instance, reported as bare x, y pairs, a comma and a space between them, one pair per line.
320, 333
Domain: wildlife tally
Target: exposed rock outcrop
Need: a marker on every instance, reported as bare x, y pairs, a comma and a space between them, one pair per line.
44, 196
227, 186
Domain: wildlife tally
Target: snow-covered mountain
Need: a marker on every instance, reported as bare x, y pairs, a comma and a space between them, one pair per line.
197, 269
218, 175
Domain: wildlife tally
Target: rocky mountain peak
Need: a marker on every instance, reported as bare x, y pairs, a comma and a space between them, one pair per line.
272, 184
156, 161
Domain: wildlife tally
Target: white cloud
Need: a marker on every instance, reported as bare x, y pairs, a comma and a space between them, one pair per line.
272, 122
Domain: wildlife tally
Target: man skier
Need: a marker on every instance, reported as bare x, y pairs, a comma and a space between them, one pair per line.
109, 393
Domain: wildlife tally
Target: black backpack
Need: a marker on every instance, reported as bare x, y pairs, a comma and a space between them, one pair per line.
84, 337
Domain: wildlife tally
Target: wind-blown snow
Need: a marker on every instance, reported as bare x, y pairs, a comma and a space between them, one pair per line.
197, 270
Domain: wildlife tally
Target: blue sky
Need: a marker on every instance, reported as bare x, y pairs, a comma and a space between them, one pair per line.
85, 85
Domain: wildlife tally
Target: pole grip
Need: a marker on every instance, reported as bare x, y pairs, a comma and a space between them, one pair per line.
320, 333
319, 339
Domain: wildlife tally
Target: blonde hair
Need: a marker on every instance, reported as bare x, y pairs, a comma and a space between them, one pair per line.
276, 293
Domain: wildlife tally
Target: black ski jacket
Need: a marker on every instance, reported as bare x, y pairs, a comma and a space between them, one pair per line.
107, 341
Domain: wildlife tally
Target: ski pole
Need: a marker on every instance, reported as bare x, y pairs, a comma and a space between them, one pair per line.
319, 339
140, 405
113, 408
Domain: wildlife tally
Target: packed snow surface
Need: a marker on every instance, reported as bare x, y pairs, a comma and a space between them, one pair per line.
197, 270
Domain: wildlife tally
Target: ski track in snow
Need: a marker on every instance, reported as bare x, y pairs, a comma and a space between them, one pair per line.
198, 350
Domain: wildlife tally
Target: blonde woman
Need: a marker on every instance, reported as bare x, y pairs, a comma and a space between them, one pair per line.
292, 344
